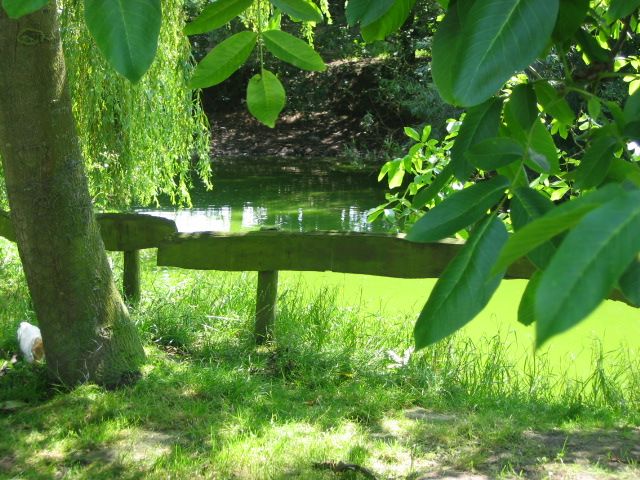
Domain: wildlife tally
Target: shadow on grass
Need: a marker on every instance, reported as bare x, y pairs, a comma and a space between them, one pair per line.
210, 405
257, 414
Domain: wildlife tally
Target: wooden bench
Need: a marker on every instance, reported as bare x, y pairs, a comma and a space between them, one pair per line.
268, 252
121, 232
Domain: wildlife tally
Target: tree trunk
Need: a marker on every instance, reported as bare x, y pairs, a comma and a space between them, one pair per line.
85, 326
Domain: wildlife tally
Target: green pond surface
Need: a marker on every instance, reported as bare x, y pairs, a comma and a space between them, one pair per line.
303, 196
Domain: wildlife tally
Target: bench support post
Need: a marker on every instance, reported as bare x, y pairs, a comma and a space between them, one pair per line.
131, 277
266, 305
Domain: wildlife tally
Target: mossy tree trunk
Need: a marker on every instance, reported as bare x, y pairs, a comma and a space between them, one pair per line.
85, 326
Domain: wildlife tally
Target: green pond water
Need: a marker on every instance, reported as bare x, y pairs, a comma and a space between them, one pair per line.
305, 196
302, 196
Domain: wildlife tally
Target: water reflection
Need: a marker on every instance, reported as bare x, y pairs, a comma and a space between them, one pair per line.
226, 218
295, 200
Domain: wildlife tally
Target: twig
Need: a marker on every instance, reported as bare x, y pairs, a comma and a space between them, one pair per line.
341, 467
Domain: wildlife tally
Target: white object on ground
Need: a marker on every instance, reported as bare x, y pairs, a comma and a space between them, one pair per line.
30, 340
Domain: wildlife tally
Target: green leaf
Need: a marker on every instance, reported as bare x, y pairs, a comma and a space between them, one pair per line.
630, 282
427, 194
570, 16
293, 50
126, 33
587, 265
555, 222
394, 170
591, 47
526, 206
216, 15
221, 62
494, 153
265, 97
391, 21
621, 8
458, 211
481, 122
516, 174
19, 8
631, 110
366, 11
554, 104
412, 133
594, 107
622, 170
542, 154
596, 162
299, 10
632, 130
480, 44
465, 287
521, 110
526, 308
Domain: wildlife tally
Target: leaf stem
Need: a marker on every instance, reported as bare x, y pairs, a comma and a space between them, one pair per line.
260, 42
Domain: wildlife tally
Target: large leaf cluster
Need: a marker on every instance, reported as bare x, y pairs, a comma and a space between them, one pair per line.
584, 249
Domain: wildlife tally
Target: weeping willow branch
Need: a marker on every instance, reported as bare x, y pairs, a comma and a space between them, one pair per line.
139, 141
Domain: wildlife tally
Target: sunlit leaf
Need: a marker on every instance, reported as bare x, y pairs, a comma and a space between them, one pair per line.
391, 21
481, 122
265, 97
458, 211
479, 45
494, 153
412, 133
587, 265
293, 50
427, 194
20, 8
465, 287
299, 10
555, 222
216, 14
366, 11
221, 62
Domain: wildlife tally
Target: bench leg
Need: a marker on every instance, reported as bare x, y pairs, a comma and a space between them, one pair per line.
266, 305
131, 277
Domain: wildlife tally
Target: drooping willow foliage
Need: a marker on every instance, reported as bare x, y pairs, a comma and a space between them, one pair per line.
139, 141
142, 140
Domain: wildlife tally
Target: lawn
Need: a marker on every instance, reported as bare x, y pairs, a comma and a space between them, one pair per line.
325, 400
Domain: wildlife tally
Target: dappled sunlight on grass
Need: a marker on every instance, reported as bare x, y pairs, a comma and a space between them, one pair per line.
209, 404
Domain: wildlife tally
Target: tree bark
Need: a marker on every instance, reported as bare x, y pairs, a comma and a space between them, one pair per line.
85, 325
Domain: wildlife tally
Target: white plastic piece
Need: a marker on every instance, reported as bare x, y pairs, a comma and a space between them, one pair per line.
30, 340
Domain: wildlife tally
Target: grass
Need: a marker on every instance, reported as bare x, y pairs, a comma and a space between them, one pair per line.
211, 405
